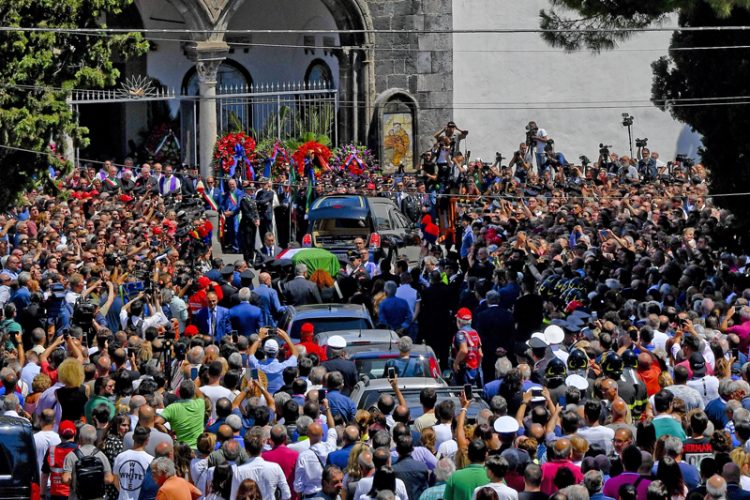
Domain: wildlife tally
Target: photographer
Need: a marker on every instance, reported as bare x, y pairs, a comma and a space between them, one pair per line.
429, 170
647, 165
553, 160
443, 157
537, 139
522, 162
454, 135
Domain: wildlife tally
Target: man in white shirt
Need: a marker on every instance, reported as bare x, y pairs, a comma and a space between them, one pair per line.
594, 432
213, 390
46, 437
268, 475
130, 466
409, 294
497, 467
308, 473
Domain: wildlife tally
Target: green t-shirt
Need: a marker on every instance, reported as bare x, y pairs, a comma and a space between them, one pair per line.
461, 485
186, 419
668, 426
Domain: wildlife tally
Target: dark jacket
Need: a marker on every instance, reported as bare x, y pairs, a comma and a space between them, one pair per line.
300, 292
249, 211
414, 475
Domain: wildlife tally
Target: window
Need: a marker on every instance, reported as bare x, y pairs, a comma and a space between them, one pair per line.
230, 74
318, 71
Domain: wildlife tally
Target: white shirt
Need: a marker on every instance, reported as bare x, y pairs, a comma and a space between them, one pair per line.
599, 434
707, 387
540, 145
268, 475
660, 340
504, 492
443, 433
215, 393
410, 295
364, 486
447, 449
44, 440
308, 473
130, 467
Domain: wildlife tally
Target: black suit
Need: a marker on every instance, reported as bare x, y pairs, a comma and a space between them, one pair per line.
437, 327
300, 292
248, 229
495, 327
347, 368
187, 184
264, 201
228, 291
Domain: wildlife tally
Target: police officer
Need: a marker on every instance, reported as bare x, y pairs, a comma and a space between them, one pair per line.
248, 224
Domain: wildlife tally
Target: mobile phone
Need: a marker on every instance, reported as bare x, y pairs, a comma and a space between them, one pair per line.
391, 372
536, 392
468, 391
235, 337
321, 395
602, 233
254, 374
736, 353
193, 372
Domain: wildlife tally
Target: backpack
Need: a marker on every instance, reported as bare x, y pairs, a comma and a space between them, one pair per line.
89, 475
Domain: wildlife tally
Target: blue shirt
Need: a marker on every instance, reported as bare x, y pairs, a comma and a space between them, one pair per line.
341, 405
340, 457
395, 313
467, 240
245, 318
274, 370
268, 301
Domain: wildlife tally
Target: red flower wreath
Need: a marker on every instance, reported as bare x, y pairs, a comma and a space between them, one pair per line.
226, 150
320, 155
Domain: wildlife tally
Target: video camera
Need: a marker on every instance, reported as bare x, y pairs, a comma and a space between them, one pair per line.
604, 149
685, 160
641, 143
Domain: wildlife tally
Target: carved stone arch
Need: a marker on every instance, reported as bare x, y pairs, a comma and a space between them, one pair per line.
208, 15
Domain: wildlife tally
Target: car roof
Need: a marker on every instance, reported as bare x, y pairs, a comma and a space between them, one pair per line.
378, 336
325, 310
405, 384
379, 348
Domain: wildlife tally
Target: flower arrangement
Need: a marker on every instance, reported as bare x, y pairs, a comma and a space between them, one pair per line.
315, 153
275, 160
233, 151
352, 158
162, 144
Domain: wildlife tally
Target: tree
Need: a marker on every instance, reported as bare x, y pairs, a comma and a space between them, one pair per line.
38, 71
684, 74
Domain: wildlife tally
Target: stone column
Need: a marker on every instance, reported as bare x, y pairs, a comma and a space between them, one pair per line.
346, 97
208, 56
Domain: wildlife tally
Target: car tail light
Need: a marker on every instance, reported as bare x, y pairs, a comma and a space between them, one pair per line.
35, 491
374, 240
307, 241
434, 370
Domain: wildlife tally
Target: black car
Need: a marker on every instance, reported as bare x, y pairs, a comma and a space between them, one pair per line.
19, 472
337, 220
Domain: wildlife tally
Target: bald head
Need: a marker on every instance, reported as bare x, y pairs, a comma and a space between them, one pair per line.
536, 431
146, 416
315, 433
644, 361
164, 449
136, 402
619, 409
562, 448
264, 278
716, 487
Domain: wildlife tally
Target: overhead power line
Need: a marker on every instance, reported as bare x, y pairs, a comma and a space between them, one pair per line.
469, 31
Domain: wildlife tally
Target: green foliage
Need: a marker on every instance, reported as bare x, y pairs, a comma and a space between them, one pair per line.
684, 74
40, 67
234, 124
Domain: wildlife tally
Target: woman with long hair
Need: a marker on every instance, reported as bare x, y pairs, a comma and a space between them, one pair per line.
111, 444
326, 285
183, 454
670, 474
383, 480
429, 439
221, 484
352, 472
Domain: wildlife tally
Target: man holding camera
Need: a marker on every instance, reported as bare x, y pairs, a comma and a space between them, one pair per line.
454, 134
537, 139
522, 161
646, 165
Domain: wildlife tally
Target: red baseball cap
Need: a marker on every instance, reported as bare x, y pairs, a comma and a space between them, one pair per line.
464, 314
67, 429
307, 329
203, 282
191, 330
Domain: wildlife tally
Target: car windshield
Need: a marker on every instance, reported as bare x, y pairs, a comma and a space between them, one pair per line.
382, 221
327, 324
336, 202
375, 366
370, 398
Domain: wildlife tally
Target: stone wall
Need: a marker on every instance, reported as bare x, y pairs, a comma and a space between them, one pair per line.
421, 64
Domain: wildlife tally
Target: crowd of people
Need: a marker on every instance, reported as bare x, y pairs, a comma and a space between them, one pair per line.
600, 311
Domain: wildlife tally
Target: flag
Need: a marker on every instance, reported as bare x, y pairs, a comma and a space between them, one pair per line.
310, 185
267, 168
